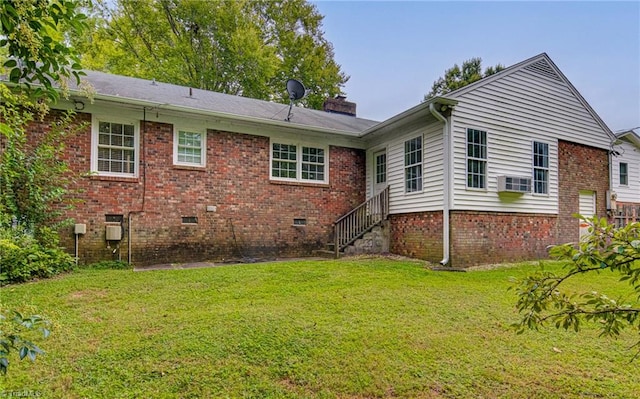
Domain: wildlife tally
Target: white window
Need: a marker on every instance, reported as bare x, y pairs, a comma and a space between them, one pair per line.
381, 168
189, 147
413, 165
476, 158
624, 173
540, 168
114, 150
299, 162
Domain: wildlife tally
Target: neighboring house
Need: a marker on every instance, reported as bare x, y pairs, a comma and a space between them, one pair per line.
492, 172
625, 175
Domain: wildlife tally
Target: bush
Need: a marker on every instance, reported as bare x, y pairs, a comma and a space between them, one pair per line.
23, 258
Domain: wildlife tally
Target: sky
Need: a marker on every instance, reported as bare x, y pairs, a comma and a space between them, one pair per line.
394, 50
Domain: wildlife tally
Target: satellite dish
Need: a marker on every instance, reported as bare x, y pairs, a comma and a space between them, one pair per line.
296, 91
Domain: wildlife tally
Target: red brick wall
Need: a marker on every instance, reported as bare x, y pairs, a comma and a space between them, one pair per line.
492, 237
253, 216
417, 235
580, 168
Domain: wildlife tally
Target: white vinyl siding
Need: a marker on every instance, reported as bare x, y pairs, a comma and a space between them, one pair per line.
430, 198
516, 110
630, 155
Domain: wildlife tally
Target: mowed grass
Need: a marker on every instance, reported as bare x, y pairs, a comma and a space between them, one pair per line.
353, 328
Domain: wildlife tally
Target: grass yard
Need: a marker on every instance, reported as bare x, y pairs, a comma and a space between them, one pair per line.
354, 328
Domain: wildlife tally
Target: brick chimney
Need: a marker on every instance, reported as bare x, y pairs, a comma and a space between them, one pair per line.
339, 105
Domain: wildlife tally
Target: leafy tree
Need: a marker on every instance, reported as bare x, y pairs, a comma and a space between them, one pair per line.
457, 77
247, 48
541, 298
32, 39
13, 330
39, 61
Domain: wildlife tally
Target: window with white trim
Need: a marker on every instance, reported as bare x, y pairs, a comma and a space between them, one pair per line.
540, 168
476, 158
624, 173
115, 148
189, 147
413, 165
298, 162
381, 168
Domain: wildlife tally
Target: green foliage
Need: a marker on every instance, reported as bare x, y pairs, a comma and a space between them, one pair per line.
457, 77
247, 48
23, 257
33, 178
109, 265
605, 248
32, 33
12, 331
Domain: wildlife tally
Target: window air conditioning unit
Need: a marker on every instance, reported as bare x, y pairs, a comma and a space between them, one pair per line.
514, 184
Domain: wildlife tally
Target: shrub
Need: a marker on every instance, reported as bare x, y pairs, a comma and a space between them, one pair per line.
23, 258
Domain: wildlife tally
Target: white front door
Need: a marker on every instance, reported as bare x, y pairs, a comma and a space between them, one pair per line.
379, 171
586, 208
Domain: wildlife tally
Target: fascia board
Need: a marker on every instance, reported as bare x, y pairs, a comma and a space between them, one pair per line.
404, 116
221, 115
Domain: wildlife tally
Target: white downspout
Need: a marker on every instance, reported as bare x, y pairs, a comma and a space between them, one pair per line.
446, 201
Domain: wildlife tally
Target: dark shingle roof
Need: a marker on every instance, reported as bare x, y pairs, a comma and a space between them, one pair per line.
108, 86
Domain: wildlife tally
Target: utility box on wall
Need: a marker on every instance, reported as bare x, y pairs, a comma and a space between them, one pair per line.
80, 228
114, 233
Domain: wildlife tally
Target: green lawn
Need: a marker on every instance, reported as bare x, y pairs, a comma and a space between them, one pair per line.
354, 328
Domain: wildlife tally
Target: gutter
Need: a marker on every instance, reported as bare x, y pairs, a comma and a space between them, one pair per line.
250, 120
446, 197
406, 114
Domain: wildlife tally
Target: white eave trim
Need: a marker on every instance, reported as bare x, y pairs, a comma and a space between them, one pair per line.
223, 115
403, 116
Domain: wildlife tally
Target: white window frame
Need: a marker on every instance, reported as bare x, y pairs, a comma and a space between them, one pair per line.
95, 143
620, 173
203, 148
299, 161
419, 165
484, 161
543, 168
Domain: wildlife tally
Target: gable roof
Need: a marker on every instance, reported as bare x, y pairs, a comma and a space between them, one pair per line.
124, 89
629, 135
541, 64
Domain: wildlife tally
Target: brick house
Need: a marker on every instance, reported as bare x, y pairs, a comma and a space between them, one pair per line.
491, 172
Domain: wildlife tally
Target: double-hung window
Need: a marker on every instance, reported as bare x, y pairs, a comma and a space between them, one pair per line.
476, 159
189, 147
115, 148
624, 173
413, 165
540, 168
299, 162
